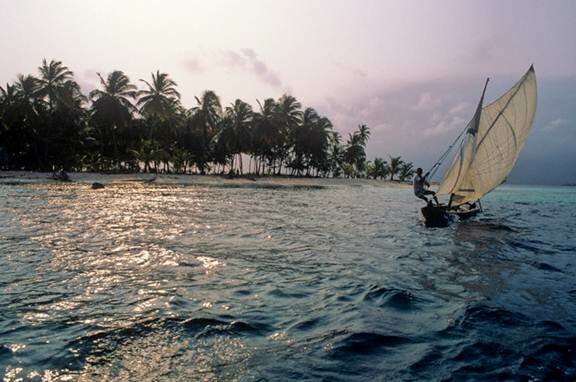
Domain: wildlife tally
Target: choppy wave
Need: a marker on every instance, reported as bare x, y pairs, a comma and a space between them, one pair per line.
168, 282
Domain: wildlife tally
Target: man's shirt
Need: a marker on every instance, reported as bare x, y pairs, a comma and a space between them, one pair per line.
419, 182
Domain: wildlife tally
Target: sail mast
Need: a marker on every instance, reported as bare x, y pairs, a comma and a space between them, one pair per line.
468, 146
436, 165
470, 142
494, 138
474, 129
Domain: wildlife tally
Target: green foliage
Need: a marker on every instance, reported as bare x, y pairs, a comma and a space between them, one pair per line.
354, 153
394, 166
47, 124
378, 169
161, 100
406, 171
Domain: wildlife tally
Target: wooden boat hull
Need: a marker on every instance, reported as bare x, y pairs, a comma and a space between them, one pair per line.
466, 214
436, 216
441, 216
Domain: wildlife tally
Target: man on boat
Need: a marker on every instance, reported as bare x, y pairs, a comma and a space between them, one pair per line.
420, 184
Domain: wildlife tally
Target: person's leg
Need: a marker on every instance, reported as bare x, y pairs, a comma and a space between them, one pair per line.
421, 196
428, 192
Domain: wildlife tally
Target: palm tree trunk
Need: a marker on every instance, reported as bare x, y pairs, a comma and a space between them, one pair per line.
115, 148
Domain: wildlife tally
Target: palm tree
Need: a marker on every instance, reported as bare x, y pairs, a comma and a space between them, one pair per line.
288, 109
370, 170
112, 106
45, 124
20, 116
300, 141
52, 76
336, 155
204, 121
394, 166
10, 141
161, 100
28, 88
288, 117
113, 103
59, 135
321, 139
355, 153
70, 96
226, 145
311, 140
149, 151
267, 134
380, 168
160, 105
363, 134
209, 109
8, 96
349, 171
241, 115
67, 126
406, 171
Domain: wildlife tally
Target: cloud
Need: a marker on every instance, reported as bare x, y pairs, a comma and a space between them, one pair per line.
481, 51
234, 60
427, 102
261, 70
88, 80
445, 124
247, 60
194, 65
416, 120
448, 118
556, 124
355, 71
460, 108
446, 115
243, 60
90, 74
420, 120
381, 126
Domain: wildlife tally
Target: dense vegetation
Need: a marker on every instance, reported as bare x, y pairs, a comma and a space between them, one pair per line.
47, 124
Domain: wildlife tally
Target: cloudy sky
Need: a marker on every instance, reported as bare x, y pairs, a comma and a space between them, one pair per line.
411, 70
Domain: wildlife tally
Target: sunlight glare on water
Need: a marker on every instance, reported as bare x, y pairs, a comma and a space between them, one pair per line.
342, 282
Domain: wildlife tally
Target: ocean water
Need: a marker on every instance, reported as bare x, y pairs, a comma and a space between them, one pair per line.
330, 283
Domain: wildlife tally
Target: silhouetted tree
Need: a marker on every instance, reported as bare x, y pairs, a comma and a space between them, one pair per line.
46, 123
112, 111
406, 171
394, 166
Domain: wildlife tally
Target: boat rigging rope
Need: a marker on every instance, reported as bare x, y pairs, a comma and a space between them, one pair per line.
436, 165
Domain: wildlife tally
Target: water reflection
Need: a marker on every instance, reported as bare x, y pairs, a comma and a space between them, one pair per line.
144, 282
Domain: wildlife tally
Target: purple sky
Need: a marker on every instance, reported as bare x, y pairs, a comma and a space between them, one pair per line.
411, 70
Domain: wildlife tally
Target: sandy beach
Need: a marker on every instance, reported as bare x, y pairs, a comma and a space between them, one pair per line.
24, 177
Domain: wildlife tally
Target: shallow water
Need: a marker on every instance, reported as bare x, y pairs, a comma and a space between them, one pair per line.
151, 282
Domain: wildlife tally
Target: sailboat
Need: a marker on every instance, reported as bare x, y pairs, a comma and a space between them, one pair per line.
487, 151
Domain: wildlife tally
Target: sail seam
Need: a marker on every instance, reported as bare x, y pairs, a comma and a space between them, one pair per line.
473, 130
499, 115
490, 151
459, 168
522, 81
512, 131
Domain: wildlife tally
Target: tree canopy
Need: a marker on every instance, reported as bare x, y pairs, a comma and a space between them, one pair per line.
47, 124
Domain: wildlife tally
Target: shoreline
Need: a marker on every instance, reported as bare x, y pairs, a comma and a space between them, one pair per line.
33, 177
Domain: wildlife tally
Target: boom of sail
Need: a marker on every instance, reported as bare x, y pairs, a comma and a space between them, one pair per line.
492, 143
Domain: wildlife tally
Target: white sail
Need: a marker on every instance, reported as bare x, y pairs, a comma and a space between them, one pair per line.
492, 144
